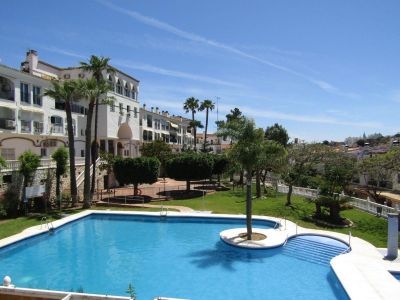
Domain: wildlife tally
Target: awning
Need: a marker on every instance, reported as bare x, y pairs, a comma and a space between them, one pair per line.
32, 109
175, 126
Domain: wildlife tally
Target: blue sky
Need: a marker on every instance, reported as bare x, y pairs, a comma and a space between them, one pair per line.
323, 69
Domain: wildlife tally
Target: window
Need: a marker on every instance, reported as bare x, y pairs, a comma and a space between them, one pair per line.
81, 75
37, 127
157, 124
149, 121
8, 153
25, 126
126, 152
119, 87
133, 94
112, 107
37, 98
121, 108
56, 124
43, 152
179, 140
82, 132
111, 83
6, 89
24, 89
135, 112
82, 153
128, 110
67, 76
127, 91
398, 178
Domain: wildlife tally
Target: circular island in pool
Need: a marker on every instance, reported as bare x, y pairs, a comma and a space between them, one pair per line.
265, 238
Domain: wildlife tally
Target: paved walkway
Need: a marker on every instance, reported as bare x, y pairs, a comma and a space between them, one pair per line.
179, 208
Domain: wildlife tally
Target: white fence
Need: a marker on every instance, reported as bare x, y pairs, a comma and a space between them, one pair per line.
44, 163
362, 204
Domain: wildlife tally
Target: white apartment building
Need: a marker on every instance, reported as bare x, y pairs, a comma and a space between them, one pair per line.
160, 125
30, 120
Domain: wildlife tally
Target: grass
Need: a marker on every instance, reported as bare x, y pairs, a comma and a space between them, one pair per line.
366, 226
10, 227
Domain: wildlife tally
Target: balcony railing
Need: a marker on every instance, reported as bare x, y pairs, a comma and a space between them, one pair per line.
37, 127
25, 126
56, 129
7, 96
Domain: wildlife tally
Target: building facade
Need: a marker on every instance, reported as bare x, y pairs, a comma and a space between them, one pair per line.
160, 125
30, 120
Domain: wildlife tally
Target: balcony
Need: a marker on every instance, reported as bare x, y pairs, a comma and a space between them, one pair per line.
25, 126
37, 127
54, 128
7, 123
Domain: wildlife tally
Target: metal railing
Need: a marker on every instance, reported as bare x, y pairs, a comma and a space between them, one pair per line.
362, 204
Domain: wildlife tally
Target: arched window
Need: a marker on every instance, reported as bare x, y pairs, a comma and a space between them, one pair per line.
133, 93
111, 83
127, 91
6, 89
119, 87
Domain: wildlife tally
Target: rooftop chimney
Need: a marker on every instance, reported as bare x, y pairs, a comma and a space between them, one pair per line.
30, 62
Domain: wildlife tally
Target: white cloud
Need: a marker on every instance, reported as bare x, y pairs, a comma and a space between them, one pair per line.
172, 73
63, 52
200, 39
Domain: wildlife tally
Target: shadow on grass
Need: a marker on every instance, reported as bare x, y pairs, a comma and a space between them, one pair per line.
181, 194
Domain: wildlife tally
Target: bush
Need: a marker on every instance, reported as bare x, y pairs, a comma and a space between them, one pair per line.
190, 166
136, 171
10, 203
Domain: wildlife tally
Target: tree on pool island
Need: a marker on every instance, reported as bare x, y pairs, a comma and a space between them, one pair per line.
190, 166
247, 151
136, 171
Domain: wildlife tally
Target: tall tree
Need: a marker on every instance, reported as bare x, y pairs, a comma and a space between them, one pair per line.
194, 125
91, 91
159, 149
246, 151
208, 106
97, 66
29, 162
278, 134
271, 160
69, 92
191, 105
300, 160
60, 156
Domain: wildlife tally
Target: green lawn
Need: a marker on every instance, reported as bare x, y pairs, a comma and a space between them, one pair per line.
366, 226
12, 226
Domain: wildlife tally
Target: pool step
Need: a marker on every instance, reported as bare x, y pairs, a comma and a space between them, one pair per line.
312, 251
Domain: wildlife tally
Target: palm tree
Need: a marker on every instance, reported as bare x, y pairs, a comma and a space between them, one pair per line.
97, 66
195, 124
69, 92
247, 152
91, 91
206, 105
191, 104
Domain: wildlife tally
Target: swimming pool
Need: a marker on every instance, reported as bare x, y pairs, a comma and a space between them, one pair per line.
180, 257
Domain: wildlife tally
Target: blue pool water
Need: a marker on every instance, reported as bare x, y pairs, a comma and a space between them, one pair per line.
396, 275
171, 257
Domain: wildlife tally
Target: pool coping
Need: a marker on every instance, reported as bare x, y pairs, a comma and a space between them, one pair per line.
363, 272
